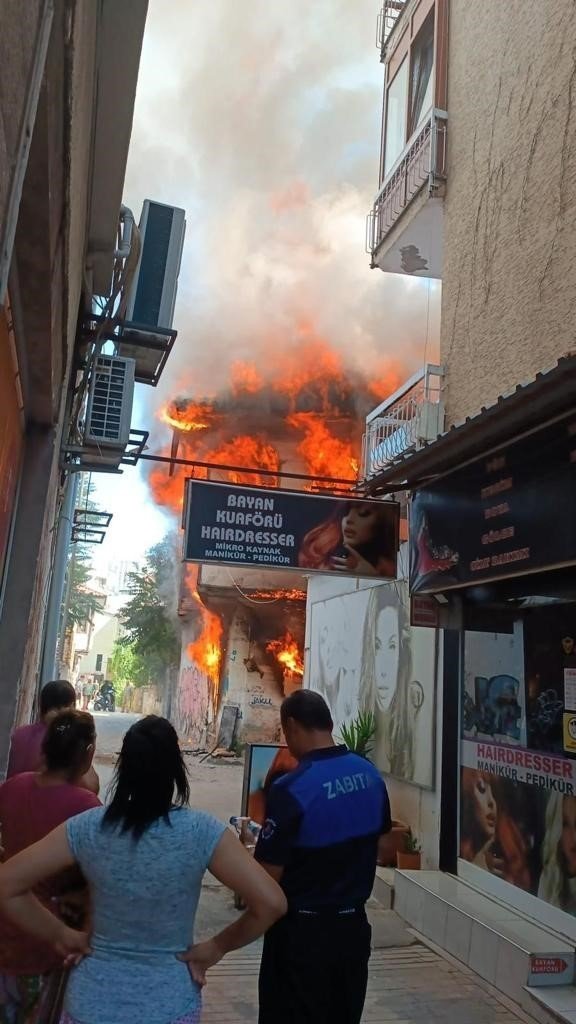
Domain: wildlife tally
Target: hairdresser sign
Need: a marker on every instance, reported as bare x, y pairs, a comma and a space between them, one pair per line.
249, 526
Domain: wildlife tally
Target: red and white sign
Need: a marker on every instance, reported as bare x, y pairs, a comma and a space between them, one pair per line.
424, 611
548, 771
551, 970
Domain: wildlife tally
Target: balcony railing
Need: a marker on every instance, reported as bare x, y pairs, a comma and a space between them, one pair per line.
391, 11
423, 163
407, 421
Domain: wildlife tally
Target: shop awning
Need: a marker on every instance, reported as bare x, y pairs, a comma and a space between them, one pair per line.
530, 406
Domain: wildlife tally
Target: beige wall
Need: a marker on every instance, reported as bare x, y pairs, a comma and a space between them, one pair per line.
509, 283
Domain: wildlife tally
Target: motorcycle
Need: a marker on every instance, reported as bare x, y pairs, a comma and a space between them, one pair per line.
105, 702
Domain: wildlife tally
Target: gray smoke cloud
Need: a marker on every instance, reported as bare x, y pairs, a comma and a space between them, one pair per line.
262, 119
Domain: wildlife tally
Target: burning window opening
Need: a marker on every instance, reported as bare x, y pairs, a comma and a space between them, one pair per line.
287, 652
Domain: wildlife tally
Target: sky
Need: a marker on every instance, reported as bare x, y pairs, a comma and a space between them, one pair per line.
262, 120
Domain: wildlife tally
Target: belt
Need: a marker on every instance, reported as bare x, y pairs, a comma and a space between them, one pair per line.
343, 911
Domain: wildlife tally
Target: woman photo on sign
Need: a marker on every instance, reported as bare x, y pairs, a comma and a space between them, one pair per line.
359, 538
489, 837
558, 879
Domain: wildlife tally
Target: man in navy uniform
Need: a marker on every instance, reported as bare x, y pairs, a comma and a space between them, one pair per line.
320, 842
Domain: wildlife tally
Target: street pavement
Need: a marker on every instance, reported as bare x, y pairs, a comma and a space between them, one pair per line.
409, 982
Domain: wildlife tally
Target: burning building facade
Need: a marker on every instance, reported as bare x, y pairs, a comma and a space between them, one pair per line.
243, 629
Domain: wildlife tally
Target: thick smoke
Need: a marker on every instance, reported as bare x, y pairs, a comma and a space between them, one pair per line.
262, 119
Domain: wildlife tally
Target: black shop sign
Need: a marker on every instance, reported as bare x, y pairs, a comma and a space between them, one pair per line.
511, 512
228, 524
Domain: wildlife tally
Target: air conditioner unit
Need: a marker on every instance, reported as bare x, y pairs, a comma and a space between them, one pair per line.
430, 422
109, 408
153, 293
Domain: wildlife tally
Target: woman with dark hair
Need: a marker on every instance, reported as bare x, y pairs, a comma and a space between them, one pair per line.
358, 538
26, 741
144, 858
32, 804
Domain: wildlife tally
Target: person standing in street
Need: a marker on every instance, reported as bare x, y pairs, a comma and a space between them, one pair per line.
26, 742
32, 804
144, 857
320, 842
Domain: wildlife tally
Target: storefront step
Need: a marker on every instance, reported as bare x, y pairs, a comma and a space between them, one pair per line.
554, 1004
384, 887
509, 950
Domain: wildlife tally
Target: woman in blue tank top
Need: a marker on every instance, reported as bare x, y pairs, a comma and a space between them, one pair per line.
144, 857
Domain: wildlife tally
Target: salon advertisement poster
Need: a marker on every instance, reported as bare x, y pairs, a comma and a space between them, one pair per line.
248, 526
518, 754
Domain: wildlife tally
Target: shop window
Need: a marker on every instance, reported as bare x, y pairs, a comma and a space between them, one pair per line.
518, 755
396, 102
421, 77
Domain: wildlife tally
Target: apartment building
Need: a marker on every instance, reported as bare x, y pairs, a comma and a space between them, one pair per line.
68, 73
478, 189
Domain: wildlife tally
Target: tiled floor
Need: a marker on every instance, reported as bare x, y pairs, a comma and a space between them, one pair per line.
412, 985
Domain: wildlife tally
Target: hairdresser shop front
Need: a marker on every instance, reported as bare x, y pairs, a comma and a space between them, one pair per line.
493, 546
495, 541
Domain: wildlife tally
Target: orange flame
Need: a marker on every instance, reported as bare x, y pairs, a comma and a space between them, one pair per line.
206, 650
278, 595
287, 652
325, 455
189, 417
245, 377
252, 452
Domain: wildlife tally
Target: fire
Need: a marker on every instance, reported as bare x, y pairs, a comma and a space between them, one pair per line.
168, 490
245, 377
252, 452
287, 652
325, 455
278, 595
206, 650
187, 416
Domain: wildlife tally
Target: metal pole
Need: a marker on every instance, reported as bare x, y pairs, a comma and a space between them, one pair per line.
58, 580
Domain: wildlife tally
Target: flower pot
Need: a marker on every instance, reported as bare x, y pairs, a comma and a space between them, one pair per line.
391, 843
408, 861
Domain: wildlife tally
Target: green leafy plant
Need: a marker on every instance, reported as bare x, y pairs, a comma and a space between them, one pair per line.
358, 735
411, 845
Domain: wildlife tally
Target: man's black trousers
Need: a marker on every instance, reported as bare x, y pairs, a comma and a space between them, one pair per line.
315, 969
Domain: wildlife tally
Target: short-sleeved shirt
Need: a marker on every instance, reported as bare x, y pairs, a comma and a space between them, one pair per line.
26, 749
323, 824
144, 898
28, 812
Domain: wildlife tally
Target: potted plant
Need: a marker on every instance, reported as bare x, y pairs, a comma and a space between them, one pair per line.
409, 858
358, 735
391, 843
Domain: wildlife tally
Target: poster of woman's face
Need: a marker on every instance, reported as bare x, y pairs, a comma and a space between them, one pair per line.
364, 656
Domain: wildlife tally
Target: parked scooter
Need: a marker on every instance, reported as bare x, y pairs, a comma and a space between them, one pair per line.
106, 700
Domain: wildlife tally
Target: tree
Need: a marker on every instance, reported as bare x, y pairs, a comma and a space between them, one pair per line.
126, 666
149, 630
82, 603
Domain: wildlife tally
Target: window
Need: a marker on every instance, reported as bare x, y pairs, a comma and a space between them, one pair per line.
99, 662
421, 77
396, 101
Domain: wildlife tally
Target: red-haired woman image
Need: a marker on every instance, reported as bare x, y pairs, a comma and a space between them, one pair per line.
358, 538
489, 838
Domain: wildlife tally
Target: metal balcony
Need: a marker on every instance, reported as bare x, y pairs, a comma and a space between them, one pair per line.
410, 419
421, 165
387, 18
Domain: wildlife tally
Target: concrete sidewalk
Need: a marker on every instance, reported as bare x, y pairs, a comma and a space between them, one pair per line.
408, 985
